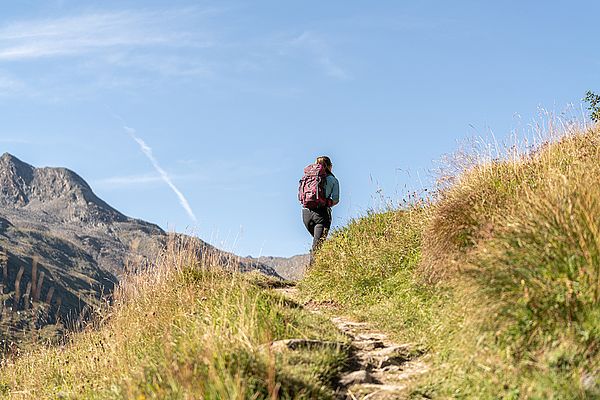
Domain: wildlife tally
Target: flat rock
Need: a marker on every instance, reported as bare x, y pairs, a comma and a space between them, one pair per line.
385, 357
589, 382
368, 345
373, 391
371, 336
396, 351
356, 377
395, 375
299, 344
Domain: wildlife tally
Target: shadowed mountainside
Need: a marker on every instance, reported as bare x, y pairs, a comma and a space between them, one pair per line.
63, 247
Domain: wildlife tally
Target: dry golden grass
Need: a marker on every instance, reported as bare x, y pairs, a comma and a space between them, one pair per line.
498, 277
182, 329
486, 191
503, 286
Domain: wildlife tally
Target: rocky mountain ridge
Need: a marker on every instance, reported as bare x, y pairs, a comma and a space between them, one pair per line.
62, 248
56, 193
291, 268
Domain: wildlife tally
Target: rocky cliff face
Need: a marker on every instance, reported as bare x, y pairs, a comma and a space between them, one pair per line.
62, 247
56, 204
56, 193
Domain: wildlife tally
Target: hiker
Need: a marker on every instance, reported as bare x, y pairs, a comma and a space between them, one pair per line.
319, 191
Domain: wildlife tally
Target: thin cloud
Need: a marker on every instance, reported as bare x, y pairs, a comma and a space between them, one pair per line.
88, 33
14, 141
332, 69
319, 49
119, 49
141, 180
166, 65
10, 85
129, 180
147, 150
382, 22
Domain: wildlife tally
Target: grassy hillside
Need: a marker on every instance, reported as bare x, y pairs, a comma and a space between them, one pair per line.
497, 275
181, 330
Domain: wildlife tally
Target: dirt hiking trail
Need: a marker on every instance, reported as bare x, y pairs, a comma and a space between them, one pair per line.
379, 369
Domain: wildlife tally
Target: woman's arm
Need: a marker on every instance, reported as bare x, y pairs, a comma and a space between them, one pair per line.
334, 195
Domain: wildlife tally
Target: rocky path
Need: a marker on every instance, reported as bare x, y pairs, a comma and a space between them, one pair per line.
380, 368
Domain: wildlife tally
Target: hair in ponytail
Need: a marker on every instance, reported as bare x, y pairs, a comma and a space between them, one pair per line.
326, 162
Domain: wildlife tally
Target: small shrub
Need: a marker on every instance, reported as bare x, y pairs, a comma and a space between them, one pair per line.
593, 101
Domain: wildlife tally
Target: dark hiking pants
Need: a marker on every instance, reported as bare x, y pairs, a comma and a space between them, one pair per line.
317, 222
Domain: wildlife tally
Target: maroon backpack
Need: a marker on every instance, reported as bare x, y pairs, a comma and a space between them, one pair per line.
311, 192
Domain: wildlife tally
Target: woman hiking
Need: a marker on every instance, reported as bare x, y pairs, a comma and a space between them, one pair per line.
319, 191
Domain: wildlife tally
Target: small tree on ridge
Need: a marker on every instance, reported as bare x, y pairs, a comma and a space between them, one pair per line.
594, 105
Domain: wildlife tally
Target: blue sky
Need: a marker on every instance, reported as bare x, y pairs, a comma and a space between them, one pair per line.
199, 116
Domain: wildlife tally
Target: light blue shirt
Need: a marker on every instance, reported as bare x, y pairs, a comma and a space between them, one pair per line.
332, 188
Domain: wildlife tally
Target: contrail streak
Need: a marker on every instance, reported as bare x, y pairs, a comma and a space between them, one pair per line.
147, 150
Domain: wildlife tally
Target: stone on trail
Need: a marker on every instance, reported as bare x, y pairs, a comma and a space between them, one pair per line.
373, 391
303, 344
356, 377
388, 356
384, 369
371, 336
367, 345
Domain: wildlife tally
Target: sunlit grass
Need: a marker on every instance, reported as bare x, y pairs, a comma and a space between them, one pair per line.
184, 329
497, 275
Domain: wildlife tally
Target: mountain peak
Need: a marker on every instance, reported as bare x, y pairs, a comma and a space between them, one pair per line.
8, 160
57, 191
15, 177
8, 156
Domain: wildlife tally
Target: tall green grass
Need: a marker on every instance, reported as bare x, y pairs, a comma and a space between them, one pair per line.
498, 275
368, 269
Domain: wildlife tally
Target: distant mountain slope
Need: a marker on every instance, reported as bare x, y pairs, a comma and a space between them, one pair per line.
291, 268
80, 244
